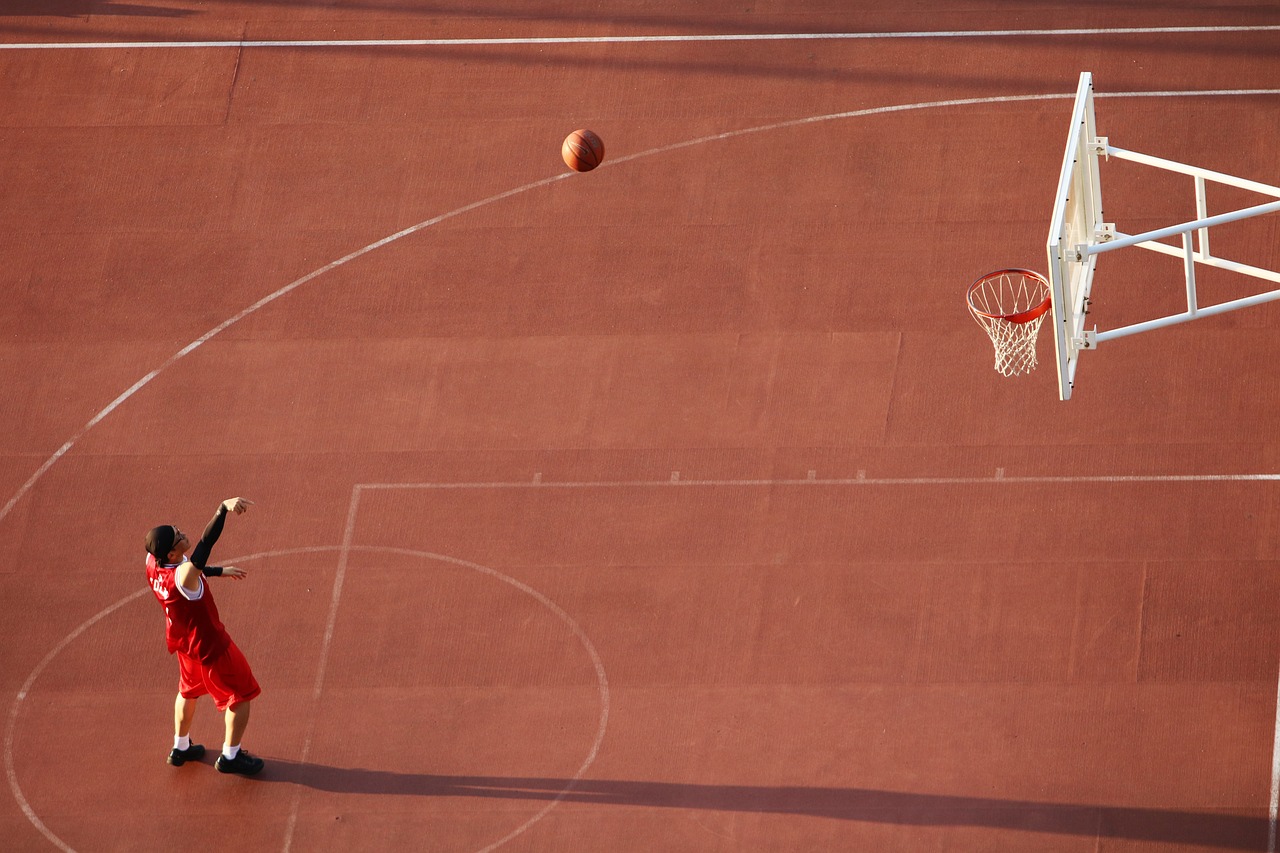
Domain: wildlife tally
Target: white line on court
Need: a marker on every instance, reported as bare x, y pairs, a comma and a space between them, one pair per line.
339, 577
344, 557
649, 39
194, 345
998, 479
1274, 812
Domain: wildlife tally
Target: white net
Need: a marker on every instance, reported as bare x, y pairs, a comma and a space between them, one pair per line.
1011, 305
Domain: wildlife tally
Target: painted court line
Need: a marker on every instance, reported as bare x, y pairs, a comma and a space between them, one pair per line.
339, 577
1275, 779
1000, 478
643, 39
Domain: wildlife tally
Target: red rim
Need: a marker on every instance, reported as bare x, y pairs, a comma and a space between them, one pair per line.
1021, 316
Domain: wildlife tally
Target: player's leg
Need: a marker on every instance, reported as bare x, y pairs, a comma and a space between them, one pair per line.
190, 688
184, 711
237, 718
233, 758
232, 685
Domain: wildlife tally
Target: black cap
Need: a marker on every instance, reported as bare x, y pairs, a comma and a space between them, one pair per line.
160, 540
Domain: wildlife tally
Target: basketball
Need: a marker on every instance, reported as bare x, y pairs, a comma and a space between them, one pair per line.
582, 151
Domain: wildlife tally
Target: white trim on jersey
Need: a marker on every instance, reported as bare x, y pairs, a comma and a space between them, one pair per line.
186, 593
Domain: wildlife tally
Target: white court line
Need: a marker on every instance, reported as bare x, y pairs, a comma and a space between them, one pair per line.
675, 481
344, 557
1275, 779
954, 102
339, 577
194, 345
650, 39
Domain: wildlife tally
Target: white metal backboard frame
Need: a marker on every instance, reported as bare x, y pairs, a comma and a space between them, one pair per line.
1077, 219
1078, 234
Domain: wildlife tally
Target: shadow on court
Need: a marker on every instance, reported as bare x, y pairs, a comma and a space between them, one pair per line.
82, 8
1208, 829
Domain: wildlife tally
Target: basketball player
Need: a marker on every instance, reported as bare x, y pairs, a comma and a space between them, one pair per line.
208, 661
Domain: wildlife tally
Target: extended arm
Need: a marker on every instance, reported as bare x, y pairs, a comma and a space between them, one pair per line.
200, 556
189, 572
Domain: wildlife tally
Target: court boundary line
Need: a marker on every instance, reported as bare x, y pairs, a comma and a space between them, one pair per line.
641, 39
676, 480
1274, 808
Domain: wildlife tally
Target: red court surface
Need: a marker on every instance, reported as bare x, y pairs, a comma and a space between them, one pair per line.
672, 506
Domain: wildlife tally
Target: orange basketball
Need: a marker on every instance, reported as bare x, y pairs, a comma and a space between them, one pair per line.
582, 151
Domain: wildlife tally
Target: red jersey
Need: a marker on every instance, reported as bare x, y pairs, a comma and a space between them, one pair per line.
191, 627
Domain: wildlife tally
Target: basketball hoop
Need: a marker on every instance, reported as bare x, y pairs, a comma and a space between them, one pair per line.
1010, 305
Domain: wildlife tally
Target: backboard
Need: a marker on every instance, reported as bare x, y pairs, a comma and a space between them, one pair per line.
1077, 222
1078, 234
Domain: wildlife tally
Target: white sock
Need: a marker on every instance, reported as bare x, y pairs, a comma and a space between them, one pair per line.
183, 743
230, 752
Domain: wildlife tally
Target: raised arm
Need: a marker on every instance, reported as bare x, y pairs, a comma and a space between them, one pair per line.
200, 556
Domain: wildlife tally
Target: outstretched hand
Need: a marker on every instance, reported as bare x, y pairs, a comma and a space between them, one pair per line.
237, 505
233, 572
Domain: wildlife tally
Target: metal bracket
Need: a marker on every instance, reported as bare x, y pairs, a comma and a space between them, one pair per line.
1099, 145
1088, 340
1105, 234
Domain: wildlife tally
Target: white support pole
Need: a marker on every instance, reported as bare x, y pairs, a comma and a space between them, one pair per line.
1213, 261
1189, 265
1172, 230
1202, 212
1194, 171
1174, 319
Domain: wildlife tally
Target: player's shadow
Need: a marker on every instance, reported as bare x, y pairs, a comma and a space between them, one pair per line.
1207, 829
81, 8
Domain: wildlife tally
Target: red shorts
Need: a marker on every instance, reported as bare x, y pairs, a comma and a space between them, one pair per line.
228, 679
